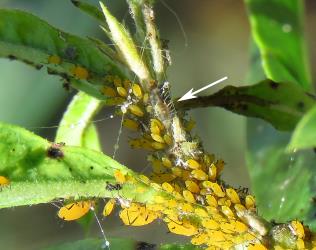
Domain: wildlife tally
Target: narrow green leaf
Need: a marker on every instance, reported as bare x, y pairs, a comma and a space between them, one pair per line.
91, 139
277, 28
267, 100
31, 40
304, 135
125, 44
90, 9
39, 173
77, 119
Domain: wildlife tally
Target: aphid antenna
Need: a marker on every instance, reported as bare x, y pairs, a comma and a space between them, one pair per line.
106, 242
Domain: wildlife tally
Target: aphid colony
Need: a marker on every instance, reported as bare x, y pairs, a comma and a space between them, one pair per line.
196, 202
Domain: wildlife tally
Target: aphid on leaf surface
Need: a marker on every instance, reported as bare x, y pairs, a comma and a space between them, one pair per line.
80, 72
113, 187
75, 210
54, 59
54, 151
70, 53
119, 176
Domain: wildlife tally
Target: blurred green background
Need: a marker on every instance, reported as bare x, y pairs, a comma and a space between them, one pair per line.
217, 39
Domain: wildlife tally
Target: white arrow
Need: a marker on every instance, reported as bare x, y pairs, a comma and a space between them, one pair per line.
190, 94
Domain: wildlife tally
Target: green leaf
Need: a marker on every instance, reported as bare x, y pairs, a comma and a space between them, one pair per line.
125, 44
90, 9
304, 135
277, 29
267, 100
75, 127
31, 40
283, 183
37, 176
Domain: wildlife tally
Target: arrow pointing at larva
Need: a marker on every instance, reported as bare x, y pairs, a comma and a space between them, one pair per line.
190, 94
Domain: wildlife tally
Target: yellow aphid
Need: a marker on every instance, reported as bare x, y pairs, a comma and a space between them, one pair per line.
177, 171
157, 166
186, 175
217, 189
239, 227
184, 228
75, 210
298, 229
80, 72
144, 179
300, 244
137, 216
140, 143
157, 123
161, 178
149, 108
166, 162
155, 186
191, 163
204, 191
108, 208
232, 195
157, 138
250, 202
224, 202
136, 110
115, 101
199, 239
239, 208
227, 211
257, 246
172, 203
117, 81
210, 224
199, 174
212, 172
4, 181
192, 186
211, 200
227, 228
168, 139
108, 91
145, 98
207, 184
190, 125
137, 91
187, 208
201, 212
158, 145
121, 91
154, 129
188, 196
155, 207
119, 176
54, 59
127, 84
208, 159
167, 187
131, 124
217, 236
159, 199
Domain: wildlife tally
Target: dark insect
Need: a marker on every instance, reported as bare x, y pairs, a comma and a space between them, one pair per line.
113, 187
55, 152
71, 53
145, 246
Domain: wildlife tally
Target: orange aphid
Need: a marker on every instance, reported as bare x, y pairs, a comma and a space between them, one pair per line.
80, 72
75, 210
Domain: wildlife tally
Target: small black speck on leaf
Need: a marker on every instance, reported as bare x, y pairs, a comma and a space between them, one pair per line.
274, 85
301, 105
